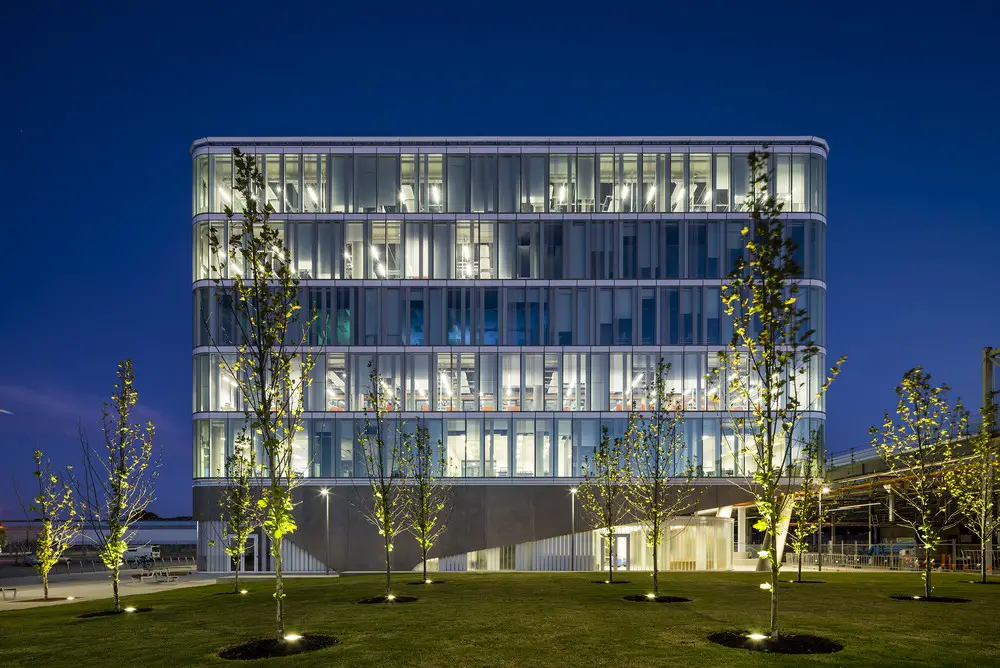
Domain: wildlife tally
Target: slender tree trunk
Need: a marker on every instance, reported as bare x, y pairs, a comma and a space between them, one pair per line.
800, 567
611, 552
927, 572
656, 581
775, 564
982, 562
239, 562
279, 590
423, 554
45, 584
388, 566
114, 588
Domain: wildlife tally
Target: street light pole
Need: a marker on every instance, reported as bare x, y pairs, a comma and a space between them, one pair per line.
325, 493
572, 528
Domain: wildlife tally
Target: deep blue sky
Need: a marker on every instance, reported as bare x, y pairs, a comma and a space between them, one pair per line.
101, 105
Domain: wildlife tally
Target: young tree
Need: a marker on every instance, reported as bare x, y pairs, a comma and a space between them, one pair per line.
767, 363
119, 480
916, 447
660, 487
253, 277
805, 504
975, 486
61, 524
385, 448
606, 479
3, 539
241, 512
428, 499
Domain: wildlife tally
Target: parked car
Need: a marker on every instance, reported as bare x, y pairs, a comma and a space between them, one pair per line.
33, 560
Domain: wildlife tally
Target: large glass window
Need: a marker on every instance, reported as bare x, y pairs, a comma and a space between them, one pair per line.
599, 392
293, 182
533, 382
678, 182
722, 184
629, 195
418, 249
586, 197
314, 183
623, 316
418, 382
201, 184
606, 173
700, 179
388, 184
484, 183
510, 364
497, 448
341, 183
524, 447
562, 183
222, 194
509, 188
408, 183
488, 381
431, 183
385, 250
458, 183
533, 183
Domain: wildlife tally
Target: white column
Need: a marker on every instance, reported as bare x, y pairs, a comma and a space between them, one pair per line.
741, 529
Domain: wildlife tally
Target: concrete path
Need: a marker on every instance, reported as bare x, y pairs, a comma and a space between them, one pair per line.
90, 588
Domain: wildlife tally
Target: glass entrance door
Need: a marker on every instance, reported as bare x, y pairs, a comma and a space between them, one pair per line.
250, 562
619, 557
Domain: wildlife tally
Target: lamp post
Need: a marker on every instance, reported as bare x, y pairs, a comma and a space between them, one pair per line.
819, 535
572, 528
325, 493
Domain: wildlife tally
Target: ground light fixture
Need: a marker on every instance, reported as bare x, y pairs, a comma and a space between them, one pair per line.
650, 596
390, 597
130, 609
427, 581
243, 592
71, 598
292, 637
765, 585
756, 636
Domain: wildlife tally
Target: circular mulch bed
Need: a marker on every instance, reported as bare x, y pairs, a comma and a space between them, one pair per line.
980, 582
643, 598
928, 599
787, 643
425, 583
112, 613
50, 599
611, 582
394, 600
266, 648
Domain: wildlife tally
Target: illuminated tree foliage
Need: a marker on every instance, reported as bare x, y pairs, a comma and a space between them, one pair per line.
253, 276
660, 487
767, 362
916, 446
428, 498
384, 448
241, 512
806, 515
119, 479
603, 491
975, 486
56, 509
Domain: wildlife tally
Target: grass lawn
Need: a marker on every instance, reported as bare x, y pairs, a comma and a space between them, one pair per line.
524, 620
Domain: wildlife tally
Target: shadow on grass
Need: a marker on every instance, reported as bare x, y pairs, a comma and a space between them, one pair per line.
267, 648
787, 643
928, 599
646, 598
391, 599
113, 613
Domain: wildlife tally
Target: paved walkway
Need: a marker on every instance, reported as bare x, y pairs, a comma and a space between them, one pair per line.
93, 587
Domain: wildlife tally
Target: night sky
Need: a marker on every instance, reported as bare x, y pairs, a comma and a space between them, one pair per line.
100, 109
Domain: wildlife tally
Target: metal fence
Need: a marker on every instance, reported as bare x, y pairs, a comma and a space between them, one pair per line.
950, 556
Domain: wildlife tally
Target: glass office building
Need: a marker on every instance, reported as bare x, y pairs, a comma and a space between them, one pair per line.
517, 291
